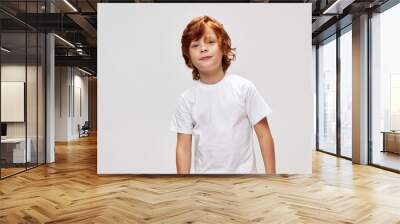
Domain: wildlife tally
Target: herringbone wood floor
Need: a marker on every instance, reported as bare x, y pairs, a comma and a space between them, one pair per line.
70, 191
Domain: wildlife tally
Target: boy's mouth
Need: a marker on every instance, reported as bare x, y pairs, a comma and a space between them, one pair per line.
205, 58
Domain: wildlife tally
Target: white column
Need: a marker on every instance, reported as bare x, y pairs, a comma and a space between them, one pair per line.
50, 100
360, 90
50, 92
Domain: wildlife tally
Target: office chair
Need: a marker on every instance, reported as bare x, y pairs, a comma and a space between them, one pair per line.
84, 130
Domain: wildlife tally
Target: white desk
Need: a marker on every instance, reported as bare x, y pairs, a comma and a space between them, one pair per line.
18, 151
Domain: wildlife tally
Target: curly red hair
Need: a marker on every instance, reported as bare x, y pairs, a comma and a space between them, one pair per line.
195, 30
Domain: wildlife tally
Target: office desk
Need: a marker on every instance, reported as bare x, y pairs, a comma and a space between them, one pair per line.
391, 141
13, 150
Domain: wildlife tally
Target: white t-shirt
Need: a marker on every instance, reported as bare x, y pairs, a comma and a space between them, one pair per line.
220, 118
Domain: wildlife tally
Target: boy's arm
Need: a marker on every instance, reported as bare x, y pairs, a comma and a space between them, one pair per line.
266, 145
183, 153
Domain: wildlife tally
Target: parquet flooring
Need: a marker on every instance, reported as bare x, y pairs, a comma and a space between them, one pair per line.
70, 191
10, 171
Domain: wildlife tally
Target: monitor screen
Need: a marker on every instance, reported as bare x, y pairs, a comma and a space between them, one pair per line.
3, 129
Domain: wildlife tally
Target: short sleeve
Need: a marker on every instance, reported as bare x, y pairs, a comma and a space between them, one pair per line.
182, 121
256, 107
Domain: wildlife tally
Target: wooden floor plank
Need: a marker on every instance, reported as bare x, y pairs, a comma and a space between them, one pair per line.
70, 191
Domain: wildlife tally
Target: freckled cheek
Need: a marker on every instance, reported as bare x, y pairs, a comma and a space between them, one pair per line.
216, 51
217, 54
193, 56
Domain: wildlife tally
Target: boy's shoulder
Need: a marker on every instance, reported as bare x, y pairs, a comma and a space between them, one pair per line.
238, 78
189, 93
240, 81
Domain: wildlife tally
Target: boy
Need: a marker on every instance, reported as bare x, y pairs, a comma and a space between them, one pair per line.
220, 110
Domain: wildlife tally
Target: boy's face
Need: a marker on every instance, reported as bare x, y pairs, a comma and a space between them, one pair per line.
205, 53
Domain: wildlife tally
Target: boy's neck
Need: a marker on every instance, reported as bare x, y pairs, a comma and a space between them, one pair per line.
211, 77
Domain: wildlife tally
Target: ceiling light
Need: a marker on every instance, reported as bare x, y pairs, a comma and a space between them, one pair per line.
338, 6
5, 49
70, 5
331, 7
65, 41
84, 71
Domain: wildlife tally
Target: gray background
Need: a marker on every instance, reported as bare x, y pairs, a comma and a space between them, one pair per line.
141, 73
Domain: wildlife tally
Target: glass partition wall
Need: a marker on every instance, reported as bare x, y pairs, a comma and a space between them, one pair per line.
334, 89
385, 89
345, 62
334, 104
13, 88
327, 95
22, 77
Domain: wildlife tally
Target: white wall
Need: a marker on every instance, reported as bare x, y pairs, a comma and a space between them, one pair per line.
80, 84
141, 73
68, 81
61, 103
314, 80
